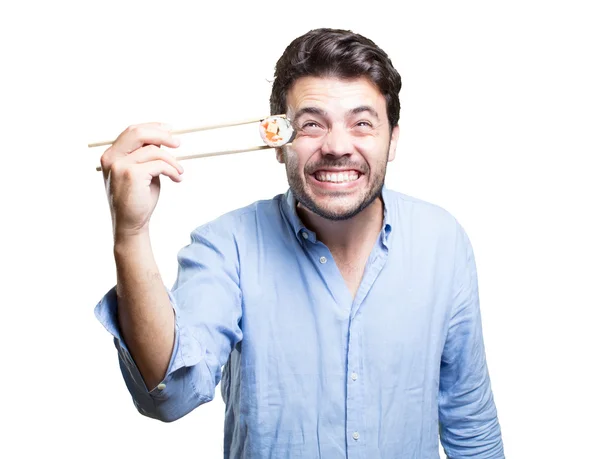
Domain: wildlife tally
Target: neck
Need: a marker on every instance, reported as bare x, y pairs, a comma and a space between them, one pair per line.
346, 237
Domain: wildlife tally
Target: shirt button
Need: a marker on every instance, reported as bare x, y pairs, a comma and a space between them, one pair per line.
355, 435
354, 376
304, 234
161, 386
323, 260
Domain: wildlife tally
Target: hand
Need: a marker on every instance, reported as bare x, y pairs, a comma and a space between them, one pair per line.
131, 167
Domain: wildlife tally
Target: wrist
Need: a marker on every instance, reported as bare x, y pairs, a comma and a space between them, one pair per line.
125, 242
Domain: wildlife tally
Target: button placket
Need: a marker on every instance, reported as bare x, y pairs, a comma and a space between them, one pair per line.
354, 395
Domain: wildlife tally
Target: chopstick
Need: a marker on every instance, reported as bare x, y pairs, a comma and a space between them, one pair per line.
193, 129
216, 153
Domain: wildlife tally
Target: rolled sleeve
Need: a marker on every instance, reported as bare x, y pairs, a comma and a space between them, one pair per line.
469, 426
207, 303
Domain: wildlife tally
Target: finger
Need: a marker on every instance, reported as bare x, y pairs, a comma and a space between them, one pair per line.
159, 167
135, 137
139, 135
151, 153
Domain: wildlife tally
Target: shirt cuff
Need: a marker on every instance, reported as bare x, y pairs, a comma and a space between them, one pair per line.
106, 313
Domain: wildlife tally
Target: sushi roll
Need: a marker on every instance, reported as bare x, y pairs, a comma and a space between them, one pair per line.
276, 131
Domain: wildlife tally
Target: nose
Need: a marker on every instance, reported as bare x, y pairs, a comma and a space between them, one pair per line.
337, 142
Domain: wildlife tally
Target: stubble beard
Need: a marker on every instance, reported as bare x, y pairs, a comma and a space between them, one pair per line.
298, 188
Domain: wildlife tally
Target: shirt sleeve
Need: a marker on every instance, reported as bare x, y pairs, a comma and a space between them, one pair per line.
206, 299
469, 426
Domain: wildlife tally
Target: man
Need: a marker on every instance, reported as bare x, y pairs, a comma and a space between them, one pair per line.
342, 318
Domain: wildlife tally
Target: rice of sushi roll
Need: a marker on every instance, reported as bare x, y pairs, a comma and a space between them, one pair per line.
276, 131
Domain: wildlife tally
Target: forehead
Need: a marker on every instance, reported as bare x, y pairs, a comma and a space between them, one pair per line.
334, 94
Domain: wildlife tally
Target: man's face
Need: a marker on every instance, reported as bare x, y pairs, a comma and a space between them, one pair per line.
337, 162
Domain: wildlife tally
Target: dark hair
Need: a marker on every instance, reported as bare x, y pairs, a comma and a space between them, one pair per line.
336, 53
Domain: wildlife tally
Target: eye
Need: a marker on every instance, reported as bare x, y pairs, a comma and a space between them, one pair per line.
312, 128
364, 124
310, 125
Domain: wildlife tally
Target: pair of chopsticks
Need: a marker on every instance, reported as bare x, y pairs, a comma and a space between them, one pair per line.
198, 129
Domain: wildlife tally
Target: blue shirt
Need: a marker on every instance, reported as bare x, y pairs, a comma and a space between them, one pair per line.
308, 371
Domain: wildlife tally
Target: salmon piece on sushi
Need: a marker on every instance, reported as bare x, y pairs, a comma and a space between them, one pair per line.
276, 131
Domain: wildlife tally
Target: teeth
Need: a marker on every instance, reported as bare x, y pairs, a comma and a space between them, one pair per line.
336, 178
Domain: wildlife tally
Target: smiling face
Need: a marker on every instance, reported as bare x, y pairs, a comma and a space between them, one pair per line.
337, 162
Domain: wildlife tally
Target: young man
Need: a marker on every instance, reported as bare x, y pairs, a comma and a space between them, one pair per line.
341, 318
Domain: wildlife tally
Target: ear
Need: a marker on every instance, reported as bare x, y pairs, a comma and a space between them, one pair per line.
394, 142
279, 155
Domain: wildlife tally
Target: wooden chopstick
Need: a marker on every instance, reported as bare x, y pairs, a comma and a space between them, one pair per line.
193, 129
216, 153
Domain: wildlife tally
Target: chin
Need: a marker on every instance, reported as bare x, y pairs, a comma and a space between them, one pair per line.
334, 208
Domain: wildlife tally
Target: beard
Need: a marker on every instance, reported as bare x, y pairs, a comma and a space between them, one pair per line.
299, 187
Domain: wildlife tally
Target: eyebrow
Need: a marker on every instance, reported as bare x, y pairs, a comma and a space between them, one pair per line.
365, 108
320, 112
311, 111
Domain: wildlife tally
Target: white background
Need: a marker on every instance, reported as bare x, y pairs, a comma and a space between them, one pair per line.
499, 125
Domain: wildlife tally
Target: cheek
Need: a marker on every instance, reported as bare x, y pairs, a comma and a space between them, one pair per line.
297, 155
369, 144
376, 160
305, 145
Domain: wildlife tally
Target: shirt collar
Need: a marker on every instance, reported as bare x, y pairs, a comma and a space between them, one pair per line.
290, 211
289, 204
